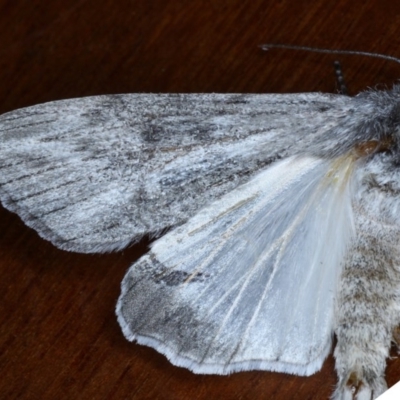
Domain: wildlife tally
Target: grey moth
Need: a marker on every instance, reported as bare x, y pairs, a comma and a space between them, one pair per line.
277, 218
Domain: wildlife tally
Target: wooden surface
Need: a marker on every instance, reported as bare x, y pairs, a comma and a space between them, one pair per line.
59, 338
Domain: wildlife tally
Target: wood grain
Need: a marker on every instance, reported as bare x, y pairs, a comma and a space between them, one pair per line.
59, 338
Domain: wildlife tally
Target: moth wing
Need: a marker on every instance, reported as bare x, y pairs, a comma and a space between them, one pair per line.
250, 281
97, 173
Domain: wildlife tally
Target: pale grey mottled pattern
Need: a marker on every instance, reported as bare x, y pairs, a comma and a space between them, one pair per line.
285, 212
97, 173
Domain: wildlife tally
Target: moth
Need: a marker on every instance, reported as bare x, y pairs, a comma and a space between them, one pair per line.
277, 218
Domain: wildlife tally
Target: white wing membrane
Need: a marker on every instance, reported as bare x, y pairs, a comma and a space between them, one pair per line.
250, 281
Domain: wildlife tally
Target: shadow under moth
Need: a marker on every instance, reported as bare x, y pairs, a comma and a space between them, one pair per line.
283, 214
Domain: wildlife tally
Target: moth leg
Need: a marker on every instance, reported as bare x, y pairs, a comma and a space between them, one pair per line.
368, 311
356, 387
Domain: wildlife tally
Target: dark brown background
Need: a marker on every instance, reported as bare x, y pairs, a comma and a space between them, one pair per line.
59, 338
